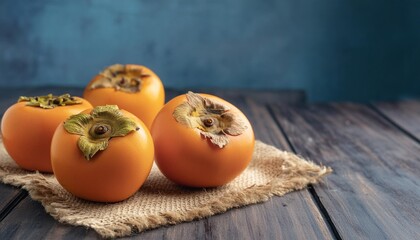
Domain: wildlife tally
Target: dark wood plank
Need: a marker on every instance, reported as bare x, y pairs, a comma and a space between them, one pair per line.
30, 221
10, 197
374, 191
259, 96
405, 114
279, 218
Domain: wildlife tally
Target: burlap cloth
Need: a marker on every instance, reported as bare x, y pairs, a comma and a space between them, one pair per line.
160, 202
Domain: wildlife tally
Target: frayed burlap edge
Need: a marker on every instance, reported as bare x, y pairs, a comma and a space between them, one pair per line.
297, 174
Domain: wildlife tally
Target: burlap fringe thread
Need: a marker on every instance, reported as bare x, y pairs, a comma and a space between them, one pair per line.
295, 174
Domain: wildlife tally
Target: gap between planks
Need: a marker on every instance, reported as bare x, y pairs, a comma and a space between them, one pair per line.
311, 189
12, 204
393, 123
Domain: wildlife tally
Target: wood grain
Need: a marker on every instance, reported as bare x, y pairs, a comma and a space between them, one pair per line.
405, 114
374, 191
10, 197
259, 96
30, 221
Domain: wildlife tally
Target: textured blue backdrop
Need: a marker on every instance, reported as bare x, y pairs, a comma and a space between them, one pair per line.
334, 50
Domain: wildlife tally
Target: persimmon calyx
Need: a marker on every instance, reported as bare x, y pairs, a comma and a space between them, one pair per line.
214, 120
120, 78
98, 127
50, 101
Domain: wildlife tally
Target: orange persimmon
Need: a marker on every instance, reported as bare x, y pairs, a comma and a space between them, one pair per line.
134, 88
202, 140
103, 154
28, 126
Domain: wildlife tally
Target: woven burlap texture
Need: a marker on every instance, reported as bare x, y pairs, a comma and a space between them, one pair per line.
160, 202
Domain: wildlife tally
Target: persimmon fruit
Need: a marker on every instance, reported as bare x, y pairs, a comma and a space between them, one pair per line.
28, 126
132, 87
103, 154
202, 140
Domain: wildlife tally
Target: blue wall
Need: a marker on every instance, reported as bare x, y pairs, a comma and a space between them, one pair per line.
335, 50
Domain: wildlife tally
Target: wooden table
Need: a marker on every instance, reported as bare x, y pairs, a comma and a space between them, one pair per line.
374, 192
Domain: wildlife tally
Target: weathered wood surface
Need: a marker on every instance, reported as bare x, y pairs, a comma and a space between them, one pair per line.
405, 114
374, 192
10, 196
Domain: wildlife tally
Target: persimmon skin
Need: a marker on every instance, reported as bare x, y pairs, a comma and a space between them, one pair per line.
185, 157
145, 104
112, 175
27, 132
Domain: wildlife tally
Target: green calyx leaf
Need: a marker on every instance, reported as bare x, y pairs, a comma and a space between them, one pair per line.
98, 127
89, 148
50, 101
76, 124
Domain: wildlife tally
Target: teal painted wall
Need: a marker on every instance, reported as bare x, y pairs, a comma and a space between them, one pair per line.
334, 50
